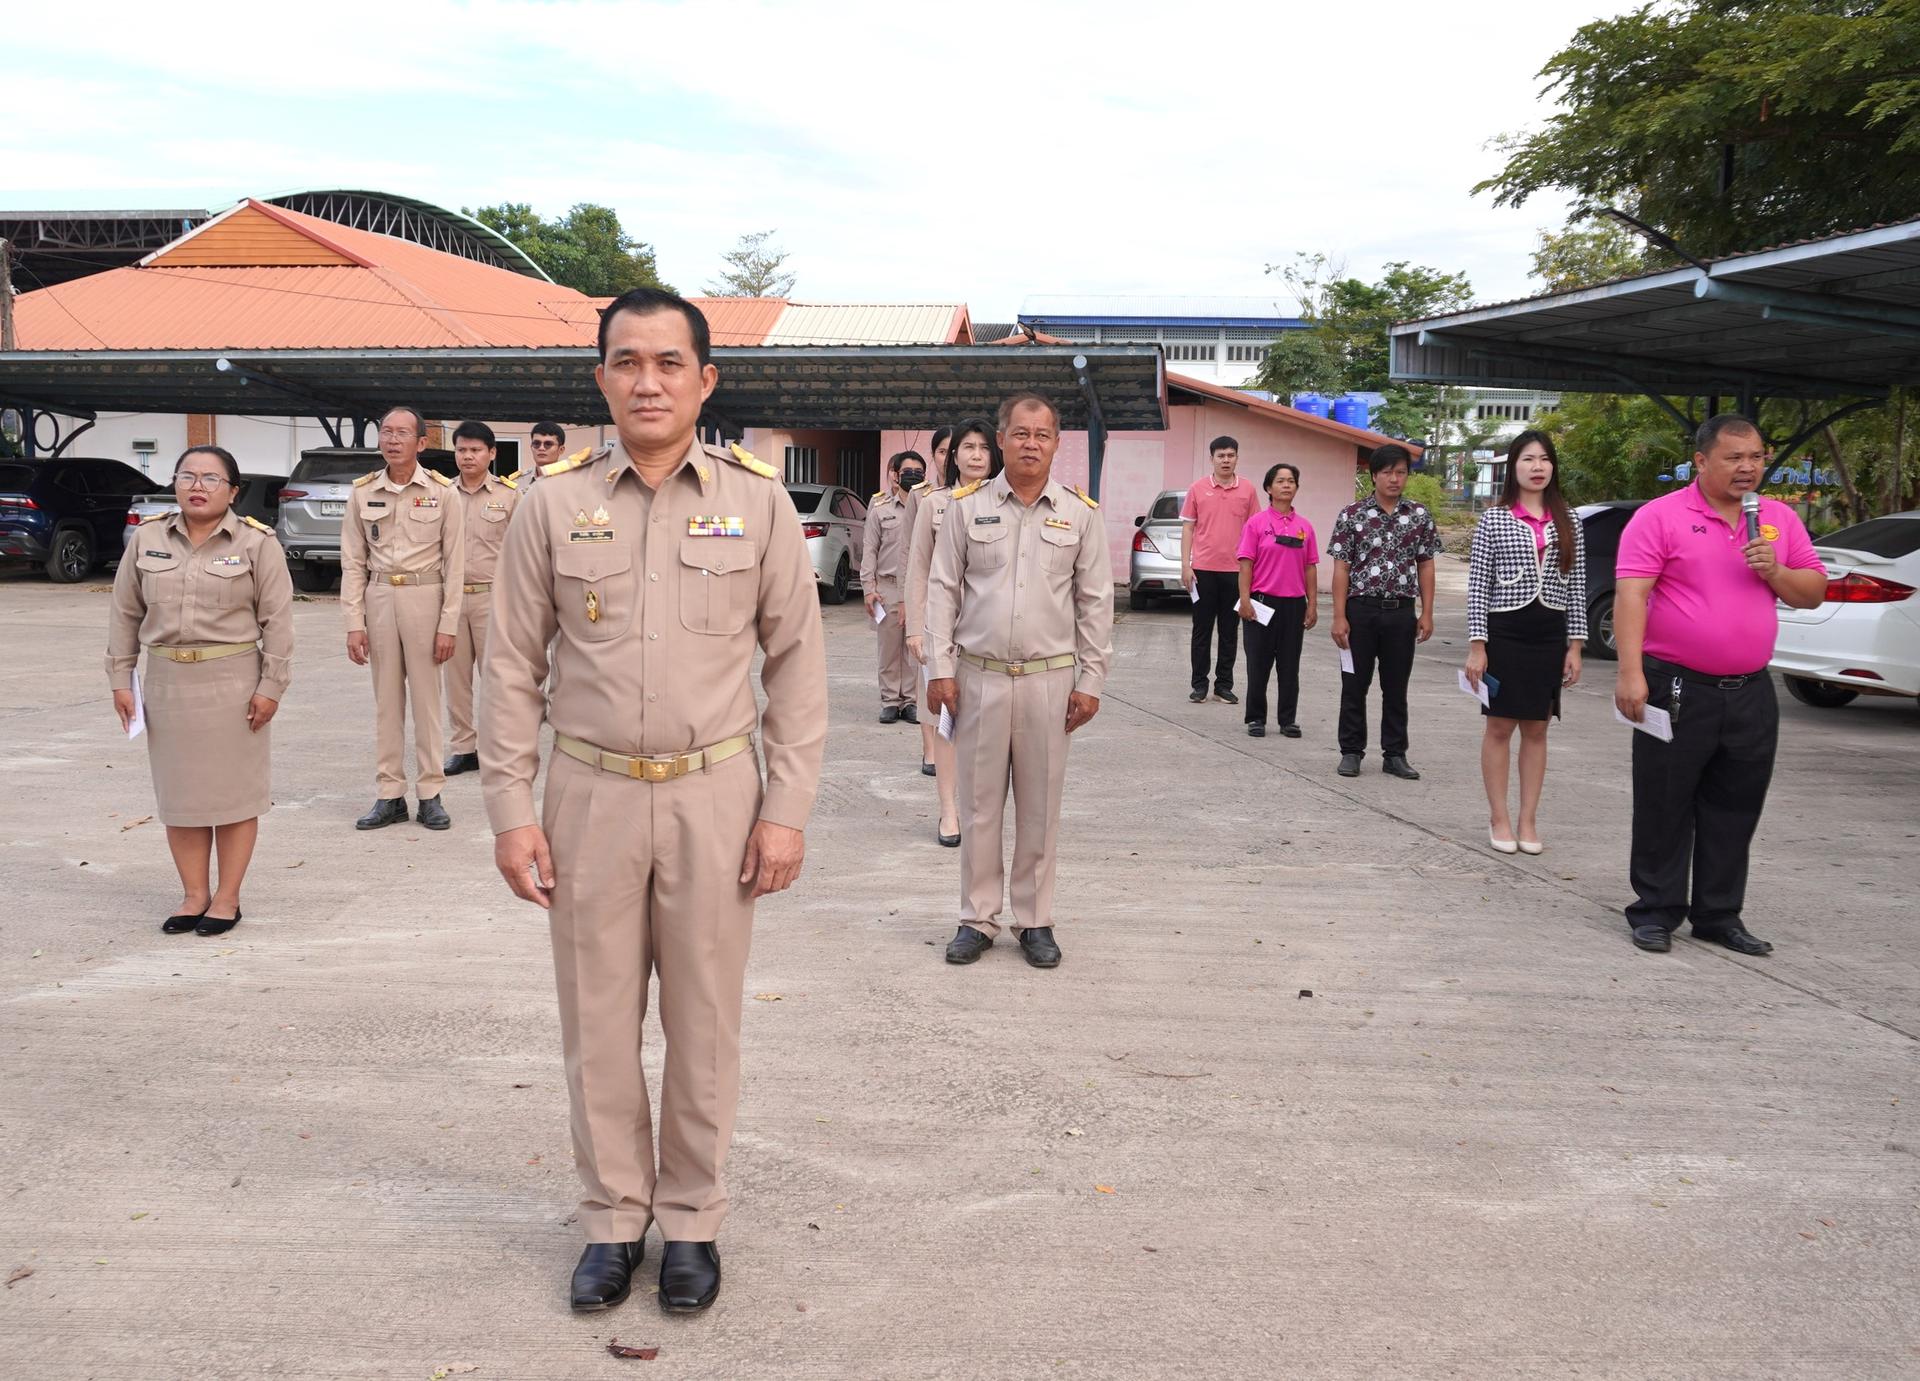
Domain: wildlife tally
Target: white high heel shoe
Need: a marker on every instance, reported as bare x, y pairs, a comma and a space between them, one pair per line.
1503, 846
1530, 846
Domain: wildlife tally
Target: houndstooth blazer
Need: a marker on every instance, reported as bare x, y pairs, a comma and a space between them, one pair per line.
1508, 572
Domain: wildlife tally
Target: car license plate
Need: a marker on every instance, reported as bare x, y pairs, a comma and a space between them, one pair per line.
333, 510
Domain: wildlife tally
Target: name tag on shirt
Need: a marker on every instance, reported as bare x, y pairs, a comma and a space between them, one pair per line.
493, 506
376, 503
591, 534
1060, 523
985, 522
162, 555
716, 527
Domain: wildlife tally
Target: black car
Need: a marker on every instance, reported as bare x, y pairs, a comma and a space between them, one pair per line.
1602, 524
69, 514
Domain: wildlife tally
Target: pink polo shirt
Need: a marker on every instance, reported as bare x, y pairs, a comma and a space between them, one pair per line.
1279, 569
1539, 525
1217, 513
1708, 610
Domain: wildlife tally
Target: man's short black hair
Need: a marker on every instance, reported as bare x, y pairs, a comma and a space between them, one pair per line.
1223, 443
647, 301
1716, 427
474, 431
419, 418
552, 429
1387, 456
1026, 397
899, 458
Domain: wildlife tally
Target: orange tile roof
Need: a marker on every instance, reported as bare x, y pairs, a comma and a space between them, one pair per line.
260, 277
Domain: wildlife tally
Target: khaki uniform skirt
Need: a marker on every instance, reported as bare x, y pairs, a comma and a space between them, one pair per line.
209, 768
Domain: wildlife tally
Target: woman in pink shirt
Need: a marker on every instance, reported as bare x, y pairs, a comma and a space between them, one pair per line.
1279, 570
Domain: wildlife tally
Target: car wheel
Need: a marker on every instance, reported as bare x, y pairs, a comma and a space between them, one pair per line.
1819, 694
312, 577
1600, 628
71, 557
836, 593
1138, 599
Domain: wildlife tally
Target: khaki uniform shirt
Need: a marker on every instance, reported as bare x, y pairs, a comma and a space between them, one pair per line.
652, 603
233, 588
390, 529
883, 549
928, 510
484, 512
1015, 583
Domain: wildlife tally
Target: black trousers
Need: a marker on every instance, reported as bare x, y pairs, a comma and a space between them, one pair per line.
1697, 800
1215, 615
1276, 647
1383, 637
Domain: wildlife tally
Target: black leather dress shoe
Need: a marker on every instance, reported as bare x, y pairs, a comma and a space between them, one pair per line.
1037, 944
910, 714
947, 841
1289, 731
927, 769
433, 815
968, 945
1226, 697
461, 762
1735, 938
604, 1275
1349, 764
1256, 731
890, 714
217, 925
180, 925
1396, 765
689, 1276
384, 813
1199, 697
1655, 939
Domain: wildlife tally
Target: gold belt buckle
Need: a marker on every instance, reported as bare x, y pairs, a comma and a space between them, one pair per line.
653, 769
1016, 668
186, 654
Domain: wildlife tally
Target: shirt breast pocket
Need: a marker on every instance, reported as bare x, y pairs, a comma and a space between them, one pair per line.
717, 581
161, 578
987, 545
593, 590
231, 586
1058, 548
426, 519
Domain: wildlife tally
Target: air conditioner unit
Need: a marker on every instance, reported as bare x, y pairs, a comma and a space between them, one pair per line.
145, 444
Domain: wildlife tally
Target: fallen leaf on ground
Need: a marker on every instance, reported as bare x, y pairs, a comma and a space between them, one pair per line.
1149, 1249
768, 997
620, 1349
1105, 1189
36, 954
137, 1217
304, 1136
301, 863
523, 1086
131, 824
18, 1273
534, 1161
461, 1368
235, 1184
1826, 1222
800, 1306
1075, 1131
101, 1260
1810, 1237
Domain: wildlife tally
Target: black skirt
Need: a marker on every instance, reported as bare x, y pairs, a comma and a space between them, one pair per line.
1527, 655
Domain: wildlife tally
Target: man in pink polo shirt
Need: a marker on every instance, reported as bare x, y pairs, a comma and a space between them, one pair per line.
1217, 507
1694, 621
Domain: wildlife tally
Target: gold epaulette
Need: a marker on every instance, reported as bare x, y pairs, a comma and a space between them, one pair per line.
747, 460
445, 483
876, 498
1084, 497
367, 478
967, 489
572, 462
508, 480
924, 487
156, 517
255, 522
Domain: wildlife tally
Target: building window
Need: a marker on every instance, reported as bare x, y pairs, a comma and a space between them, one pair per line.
803, 464
1246, 354
1191, 351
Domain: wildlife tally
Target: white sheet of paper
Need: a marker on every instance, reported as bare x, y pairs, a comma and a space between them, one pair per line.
1477, 692
1262, 613
946, 723
1193, 591
1346, 660
879, 612
1653, 720
138, 724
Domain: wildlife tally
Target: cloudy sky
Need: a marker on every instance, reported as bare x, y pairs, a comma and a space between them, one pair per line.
974, 151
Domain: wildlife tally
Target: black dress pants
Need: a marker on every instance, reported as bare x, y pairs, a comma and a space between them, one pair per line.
1697, 800
1214, 616
1275, 647
1383, 636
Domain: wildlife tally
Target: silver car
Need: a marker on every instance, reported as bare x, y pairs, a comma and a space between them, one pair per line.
834, 520
1154, 571
314, 501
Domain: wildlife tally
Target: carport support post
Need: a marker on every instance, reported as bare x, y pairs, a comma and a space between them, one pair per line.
1096, 425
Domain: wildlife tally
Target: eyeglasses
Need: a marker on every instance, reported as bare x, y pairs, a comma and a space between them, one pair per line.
1022, 436
184, 480
542, 443
398, 434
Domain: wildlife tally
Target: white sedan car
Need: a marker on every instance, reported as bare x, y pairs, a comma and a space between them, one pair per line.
1865, 638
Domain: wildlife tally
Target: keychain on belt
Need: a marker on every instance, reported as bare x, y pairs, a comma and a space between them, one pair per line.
1673, 715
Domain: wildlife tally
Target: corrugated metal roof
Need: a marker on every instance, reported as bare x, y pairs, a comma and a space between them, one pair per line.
740, 320
407, 296
1128, 307
871, 324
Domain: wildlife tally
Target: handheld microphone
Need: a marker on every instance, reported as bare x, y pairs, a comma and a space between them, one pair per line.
1750, 509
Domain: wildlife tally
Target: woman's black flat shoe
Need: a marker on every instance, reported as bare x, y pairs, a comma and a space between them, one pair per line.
950, 841
180, 925
927, 769
212, 926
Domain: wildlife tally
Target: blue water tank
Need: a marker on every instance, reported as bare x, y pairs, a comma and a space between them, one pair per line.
1316, 403
1351, 410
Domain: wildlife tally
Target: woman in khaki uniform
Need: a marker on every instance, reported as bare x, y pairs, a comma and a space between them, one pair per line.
207, 593
974, 456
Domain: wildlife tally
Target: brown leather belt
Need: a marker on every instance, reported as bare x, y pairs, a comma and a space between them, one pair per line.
647, 768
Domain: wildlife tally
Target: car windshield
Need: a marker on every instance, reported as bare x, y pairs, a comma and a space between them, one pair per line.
16, 477
1878, 537
333, 469
1165, 507
804, 499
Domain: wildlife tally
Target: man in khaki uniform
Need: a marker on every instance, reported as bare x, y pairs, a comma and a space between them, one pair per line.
402, 564
486, 501
1020, 619
643, 576
883, 574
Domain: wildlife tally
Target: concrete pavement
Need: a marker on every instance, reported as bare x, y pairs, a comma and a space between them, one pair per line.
1494, 1141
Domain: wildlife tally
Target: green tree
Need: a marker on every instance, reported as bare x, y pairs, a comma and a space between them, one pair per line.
586, 249
753, 269
1731, 124
1568, 259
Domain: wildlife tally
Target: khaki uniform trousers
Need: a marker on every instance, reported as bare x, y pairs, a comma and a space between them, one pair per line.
897, 671
647, 880
1010, 727
469, 648
401, 623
